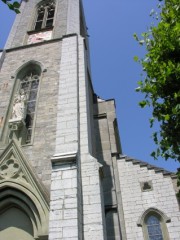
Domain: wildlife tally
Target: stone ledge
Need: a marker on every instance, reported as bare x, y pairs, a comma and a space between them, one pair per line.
44, 237
39, 43
101, 115
64, 158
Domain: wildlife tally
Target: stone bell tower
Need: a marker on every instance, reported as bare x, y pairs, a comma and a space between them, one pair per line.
50, 177
62, 172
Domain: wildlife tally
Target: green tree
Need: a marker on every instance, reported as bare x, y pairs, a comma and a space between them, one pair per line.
13, 5
161, 78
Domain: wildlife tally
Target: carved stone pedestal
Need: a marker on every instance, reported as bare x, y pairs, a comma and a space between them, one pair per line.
16, 126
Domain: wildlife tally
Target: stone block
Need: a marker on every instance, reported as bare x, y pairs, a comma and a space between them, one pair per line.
70, 214
70, 232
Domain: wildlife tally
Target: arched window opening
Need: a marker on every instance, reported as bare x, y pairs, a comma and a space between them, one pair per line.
13, 221
29, 86
45, 15
21, 122
154, 230
21, 215
153, 223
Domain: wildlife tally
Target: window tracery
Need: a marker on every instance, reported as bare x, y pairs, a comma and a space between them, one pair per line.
153, 223
29, 85
45, 15
154, 230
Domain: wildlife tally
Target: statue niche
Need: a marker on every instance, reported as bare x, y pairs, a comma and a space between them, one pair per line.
17, 121
19, 106
24, 104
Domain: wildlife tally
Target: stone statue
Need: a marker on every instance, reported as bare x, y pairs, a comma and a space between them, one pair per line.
19, 106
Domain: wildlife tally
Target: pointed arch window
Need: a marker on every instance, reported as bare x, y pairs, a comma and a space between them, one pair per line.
154, 230
153, 223
23, 107
23, 212
45, 15
29, 86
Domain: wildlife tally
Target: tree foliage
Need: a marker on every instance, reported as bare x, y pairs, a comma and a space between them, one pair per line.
13, 5
161, 78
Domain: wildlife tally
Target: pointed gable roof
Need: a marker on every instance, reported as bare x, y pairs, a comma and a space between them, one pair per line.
14, 167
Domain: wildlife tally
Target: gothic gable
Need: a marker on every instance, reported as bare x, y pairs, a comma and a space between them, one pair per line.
14, 167
20, 187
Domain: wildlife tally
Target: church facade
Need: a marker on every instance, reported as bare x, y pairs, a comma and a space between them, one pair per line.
62, 172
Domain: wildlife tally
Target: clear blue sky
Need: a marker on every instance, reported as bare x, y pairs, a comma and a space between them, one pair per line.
111, 26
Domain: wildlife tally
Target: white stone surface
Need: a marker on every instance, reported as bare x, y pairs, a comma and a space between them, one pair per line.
94, 226
63, 204
67, 118
73, 19
136, 202
72, 190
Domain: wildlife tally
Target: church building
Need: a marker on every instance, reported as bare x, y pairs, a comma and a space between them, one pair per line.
63, 175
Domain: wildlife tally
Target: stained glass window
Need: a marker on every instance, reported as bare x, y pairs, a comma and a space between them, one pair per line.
29, 84
45, 15
154, 228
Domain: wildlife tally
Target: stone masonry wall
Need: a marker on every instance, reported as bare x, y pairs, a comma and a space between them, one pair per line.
104, 112
64, 190
67, 115
63, 214
72, 138
135, 202
105, 146
66, 21
93, 218
42, 148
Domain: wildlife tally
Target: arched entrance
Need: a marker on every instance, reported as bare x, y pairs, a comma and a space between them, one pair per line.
15, 225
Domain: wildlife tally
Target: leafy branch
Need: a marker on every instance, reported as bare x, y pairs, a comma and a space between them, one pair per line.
12, 5
161, 78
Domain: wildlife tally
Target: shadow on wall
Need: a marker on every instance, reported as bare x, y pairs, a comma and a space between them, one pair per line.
104, 156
